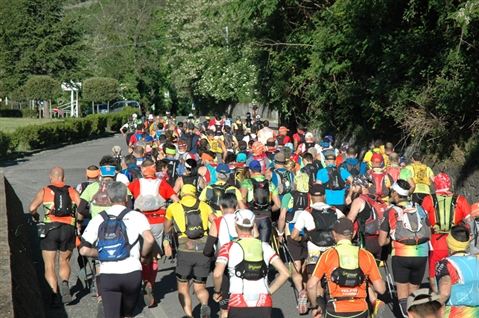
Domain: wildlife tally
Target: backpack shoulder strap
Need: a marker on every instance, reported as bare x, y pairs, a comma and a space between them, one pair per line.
123, 213
435, 204
104, 215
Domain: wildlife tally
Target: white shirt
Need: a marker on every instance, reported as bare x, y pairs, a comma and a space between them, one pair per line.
226, 230
136, 223
122, 178
306, 221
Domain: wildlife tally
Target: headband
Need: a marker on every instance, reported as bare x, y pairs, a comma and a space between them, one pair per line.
455, 245
149, 170
92, 174
402, 192
170, 151
206, 156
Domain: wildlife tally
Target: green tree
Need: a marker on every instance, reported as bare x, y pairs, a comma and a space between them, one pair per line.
36, 38
42, 87
100, 89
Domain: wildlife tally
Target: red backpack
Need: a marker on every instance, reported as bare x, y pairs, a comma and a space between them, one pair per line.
377, 207
394, 172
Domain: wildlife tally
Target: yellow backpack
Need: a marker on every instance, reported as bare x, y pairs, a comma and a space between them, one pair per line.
420, 174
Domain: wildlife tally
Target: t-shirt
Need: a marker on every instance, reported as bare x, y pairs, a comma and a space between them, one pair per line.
333, 197
330, 260
421, 187
165, 191
306, 221
122, 178
136, 223
246, 293
88, 195
400, 249
248, 184
176, 213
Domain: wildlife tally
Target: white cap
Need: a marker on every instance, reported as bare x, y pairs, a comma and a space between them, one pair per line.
244, 218
190, 115
258, 116
150, 116
309, 135
134, 115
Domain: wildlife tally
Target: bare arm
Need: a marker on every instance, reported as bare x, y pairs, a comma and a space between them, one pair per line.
282, 220
283, 275
379, 286
356, 207
313, 290
178, 184
218, 275
174, 198
445, 285
37, 201
277, 203
295, 235
412, 184
383, 238
148, 241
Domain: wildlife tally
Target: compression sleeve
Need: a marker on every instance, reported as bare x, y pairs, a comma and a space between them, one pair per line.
209, 251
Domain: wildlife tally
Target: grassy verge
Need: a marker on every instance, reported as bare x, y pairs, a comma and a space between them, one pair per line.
11, 124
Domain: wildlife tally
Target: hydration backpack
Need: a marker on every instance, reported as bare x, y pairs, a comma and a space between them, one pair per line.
192, 179
444, 224
346, 277
308, 145
382, 183
324, 220
420, 174
285, 184
370, 224
335, 181
149, 198
239, 132
253, 266
311, 170
62, 203
260, 195
172, 173
352, 169
193, 223
134, 173
101, 197
394, 172
218, 128
409, 225
113, 243
280, 139
214, 193
300, 203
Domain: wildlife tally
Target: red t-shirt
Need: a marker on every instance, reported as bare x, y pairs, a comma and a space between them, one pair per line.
165, 190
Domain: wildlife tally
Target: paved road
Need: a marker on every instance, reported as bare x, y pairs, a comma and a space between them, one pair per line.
28, 175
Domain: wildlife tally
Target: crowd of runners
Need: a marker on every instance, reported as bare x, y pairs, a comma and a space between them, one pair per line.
256, 206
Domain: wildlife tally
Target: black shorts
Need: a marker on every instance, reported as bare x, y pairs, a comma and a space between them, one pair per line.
379, 252
192, 265
119, 293
418, 197
250, 312
360, 314
298, 250
264, 226
409, 269
59, 237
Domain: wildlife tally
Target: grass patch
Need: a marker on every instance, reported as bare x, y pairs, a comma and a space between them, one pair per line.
10, 124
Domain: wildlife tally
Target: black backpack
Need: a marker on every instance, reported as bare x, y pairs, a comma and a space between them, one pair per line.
335, 182
172, 174
324, 220
214, 193
189, 141
193, 223
260, 195
285, 183
347, 277
352, 169
62, 203
311, 170
253, 266
300, 203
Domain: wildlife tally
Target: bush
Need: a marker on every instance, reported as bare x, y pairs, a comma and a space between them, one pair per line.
5, 140
16, 113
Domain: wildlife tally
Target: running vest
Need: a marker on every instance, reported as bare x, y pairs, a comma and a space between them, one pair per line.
253, 266
464, 292
149, 198
394, 172
420, 173
444, 210
48, 203
409, 225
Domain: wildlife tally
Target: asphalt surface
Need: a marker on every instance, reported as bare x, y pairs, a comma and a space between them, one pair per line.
30, 174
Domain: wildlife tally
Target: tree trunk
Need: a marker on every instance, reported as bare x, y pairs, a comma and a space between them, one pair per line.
46, 109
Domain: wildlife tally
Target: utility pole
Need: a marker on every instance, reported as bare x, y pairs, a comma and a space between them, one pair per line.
227, 42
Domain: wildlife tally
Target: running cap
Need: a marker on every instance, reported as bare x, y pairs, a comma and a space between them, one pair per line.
223, 168
108, 171
188, 189
377, 157
317, 190
421, 296
241, 157
329, 137
182, 144
257, 148
363, 180
116, 149
191, 115
344, 146
207, 117
402, 192
151, 117
244, 218
309, 135
191, 163
258, 116
329, 155
255, 165
134, 115
280, 158
343, 226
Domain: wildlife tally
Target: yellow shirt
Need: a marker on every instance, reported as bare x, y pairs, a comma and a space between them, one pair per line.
228, 189
176, 213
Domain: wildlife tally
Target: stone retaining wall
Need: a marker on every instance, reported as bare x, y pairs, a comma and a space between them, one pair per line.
19, 289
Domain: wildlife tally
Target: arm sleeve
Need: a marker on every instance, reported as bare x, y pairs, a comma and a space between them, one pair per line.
441, 269
223, 255
83, 208
209, 251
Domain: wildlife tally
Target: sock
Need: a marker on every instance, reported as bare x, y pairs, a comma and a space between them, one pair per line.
145, 273
403, 306
153, 272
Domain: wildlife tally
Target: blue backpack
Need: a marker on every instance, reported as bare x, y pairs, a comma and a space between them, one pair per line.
113, 243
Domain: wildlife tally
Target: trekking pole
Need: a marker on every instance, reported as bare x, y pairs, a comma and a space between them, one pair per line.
389, 279
288, 255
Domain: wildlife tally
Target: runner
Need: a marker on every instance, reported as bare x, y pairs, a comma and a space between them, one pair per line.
382, 181
250, 295
128, 129
352, 164
423, 177
299, 136
58, 202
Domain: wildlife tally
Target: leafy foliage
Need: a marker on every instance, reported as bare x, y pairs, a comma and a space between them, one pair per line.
100, 89
41, 87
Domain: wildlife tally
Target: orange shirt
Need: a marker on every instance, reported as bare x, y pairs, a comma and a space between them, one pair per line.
48, 202
329, 261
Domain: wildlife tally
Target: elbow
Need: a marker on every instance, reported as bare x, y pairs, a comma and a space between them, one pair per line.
217, 274
84, 251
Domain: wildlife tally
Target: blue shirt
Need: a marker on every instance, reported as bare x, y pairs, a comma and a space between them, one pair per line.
363, 167
333, 197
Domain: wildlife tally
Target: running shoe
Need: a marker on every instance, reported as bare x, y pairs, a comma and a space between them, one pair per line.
65, 292
205, 311
148, 297
302, 302
379, 309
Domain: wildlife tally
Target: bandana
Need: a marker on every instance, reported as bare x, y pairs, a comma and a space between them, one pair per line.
455, 245
169, 151
402, 192
206, 156
442, 182
148, 171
